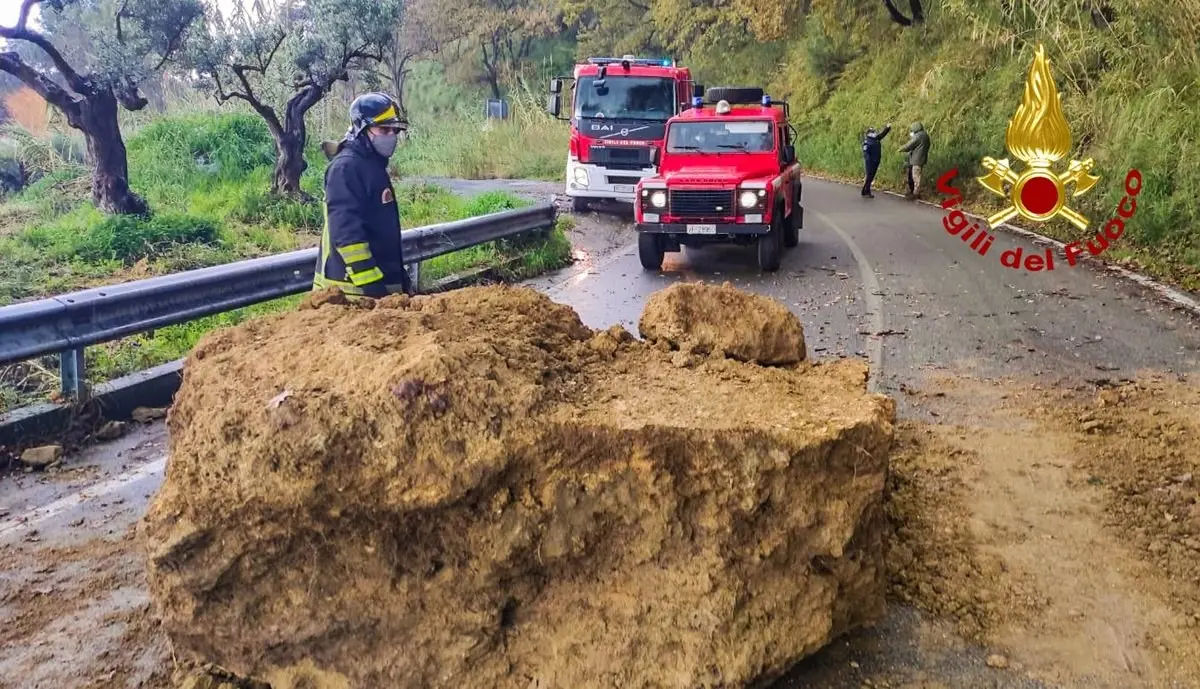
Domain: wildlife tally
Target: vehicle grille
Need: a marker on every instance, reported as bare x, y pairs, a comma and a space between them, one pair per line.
702, 203
623, 180
627, 158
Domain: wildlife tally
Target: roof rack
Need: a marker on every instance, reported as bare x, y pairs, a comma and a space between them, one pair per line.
698, 103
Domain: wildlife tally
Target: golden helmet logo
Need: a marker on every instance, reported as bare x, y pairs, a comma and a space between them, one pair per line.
1039, 135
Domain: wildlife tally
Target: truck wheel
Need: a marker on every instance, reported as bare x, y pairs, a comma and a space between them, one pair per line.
791, 235
579, 204
650, 251
734, 95
770, 247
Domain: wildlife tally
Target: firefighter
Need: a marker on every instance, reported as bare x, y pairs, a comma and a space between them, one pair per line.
360, 246
872, 154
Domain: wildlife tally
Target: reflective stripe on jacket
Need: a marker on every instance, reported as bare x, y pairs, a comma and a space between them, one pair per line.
360, 243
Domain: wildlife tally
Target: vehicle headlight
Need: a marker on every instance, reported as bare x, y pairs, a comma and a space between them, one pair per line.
748, 199
658, 199
581, 177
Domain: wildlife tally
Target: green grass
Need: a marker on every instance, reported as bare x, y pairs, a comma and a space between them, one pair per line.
529, 145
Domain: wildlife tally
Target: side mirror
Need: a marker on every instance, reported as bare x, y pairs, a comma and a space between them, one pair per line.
697, 90
556, 85
789, 154
655, 155
554, 104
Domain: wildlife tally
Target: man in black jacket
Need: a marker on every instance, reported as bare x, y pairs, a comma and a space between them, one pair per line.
872, 154
360, 247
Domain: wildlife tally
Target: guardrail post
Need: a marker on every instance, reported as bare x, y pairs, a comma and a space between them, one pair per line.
414, 274
73, 374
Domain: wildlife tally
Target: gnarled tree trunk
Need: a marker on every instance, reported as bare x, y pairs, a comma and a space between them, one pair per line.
96, 117
289, 165
291, 136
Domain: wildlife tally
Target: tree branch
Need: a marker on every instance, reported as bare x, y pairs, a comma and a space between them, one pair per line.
130, 97
897, 16
42, 85
26, 8
77, 83
264, 111
120, 32
173, 44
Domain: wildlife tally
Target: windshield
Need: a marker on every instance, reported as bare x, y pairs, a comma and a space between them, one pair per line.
754, 136
631, 98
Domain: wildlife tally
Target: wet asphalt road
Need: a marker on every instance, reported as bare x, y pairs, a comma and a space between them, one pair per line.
874, 278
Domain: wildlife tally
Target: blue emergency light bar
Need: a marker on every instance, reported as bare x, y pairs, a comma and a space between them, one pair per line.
697, 102
642, 61
766, 101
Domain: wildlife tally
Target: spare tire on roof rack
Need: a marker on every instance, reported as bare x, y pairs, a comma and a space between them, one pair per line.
734, 95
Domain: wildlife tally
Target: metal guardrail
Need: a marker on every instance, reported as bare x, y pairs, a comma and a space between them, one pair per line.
67, 324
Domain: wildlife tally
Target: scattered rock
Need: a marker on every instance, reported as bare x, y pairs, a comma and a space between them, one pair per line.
1093, 425
997, 661
111, 430
41, 457
148, 414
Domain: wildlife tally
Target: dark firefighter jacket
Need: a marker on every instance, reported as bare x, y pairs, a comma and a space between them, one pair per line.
360, 245
872, 149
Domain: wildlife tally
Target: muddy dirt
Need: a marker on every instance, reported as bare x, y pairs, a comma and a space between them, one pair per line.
1056, 523
475, 490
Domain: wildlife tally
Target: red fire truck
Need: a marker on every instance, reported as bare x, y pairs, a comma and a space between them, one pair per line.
619, 110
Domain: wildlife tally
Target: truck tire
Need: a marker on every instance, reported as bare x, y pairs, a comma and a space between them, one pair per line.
795, 221
734, 95
650, 251
770, 247
579, 204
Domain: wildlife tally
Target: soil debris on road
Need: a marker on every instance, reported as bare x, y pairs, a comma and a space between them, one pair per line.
473, 489
1058, 522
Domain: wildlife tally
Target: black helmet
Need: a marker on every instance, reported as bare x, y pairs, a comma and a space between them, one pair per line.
372, 109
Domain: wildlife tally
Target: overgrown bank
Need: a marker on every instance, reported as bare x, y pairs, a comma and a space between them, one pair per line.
1129, 91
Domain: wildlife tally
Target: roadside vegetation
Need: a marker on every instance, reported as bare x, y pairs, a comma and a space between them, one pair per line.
207, 177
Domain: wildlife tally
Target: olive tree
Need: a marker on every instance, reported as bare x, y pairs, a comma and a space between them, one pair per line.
282, 58
129, 41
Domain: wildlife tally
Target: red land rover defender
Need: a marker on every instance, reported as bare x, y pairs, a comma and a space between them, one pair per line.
727, 174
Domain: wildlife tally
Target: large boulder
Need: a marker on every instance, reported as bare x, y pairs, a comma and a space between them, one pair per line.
474, 490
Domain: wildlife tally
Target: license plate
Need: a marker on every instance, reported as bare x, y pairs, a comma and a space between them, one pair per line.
701, 229
624, 188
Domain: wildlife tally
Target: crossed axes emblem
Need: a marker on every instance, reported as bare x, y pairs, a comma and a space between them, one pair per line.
1000, 171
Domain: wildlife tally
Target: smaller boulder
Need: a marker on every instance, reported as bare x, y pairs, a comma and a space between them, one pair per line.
723, 321
41, 457
147, 414
111, 430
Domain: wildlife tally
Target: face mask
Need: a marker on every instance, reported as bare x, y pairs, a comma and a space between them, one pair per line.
384, 144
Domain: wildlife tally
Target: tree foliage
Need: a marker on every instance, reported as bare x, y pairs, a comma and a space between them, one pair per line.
489, 41
91, 56
417, 35
282, 58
